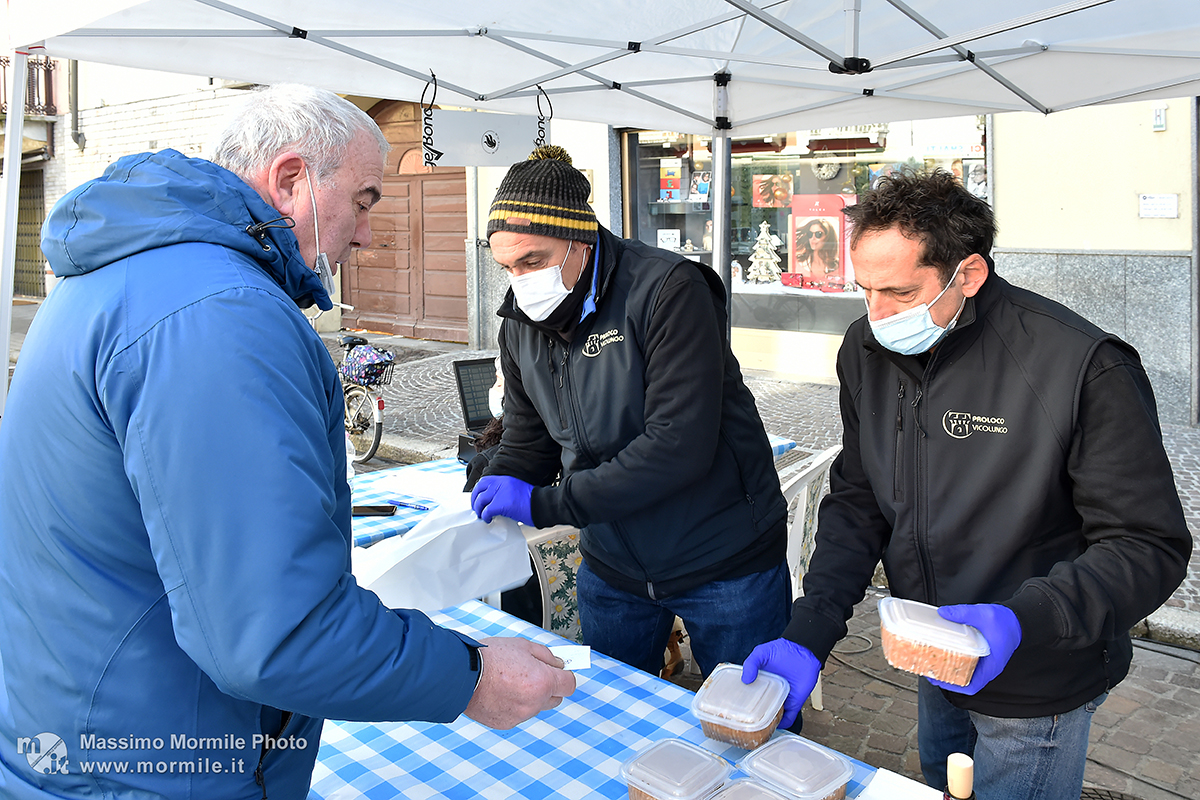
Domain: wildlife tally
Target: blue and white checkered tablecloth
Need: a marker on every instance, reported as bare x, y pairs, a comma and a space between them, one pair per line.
780, 445
572, 752
377, 488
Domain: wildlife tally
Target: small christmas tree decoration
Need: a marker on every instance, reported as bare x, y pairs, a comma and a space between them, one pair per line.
764, 261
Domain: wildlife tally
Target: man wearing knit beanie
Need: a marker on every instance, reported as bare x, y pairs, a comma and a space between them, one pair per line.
625, 415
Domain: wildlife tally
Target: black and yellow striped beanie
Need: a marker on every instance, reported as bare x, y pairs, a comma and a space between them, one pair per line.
544, 195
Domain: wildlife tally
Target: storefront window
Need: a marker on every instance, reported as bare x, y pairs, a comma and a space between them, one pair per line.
790, 259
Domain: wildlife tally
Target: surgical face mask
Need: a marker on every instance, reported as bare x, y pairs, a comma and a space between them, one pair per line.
913, 330
322, 266
541, 291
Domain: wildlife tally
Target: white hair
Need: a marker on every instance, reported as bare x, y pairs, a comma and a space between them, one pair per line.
315, 123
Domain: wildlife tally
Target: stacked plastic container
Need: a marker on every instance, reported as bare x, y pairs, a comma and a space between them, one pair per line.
916, 639
784, 768
744, 714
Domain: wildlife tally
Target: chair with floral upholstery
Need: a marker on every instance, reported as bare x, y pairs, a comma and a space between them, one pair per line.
803, 484
556, 561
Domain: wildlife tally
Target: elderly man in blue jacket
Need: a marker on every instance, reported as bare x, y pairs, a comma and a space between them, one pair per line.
174, 512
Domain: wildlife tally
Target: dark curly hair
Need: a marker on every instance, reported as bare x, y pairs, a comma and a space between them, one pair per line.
933, 207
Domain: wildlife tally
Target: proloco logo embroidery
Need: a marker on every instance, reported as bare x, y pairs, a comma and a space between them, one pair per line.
596, 341
961, 424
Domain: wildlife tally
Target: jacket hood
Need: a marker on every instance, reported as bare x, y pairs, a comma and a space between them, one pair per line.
152, 200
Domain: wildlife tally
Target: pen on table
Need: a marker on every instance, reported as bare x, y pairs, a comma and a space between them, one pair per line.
406, 504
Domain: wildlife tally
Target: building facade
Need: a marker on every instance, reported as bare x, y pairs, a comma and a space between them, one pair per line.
1097, 208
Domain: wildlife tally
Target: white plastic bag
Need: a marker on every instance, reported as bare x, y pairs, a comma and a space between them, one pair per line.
450, 556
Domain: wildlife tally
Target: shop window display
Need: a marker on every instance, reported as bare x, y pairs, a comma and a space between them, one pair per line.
796, 184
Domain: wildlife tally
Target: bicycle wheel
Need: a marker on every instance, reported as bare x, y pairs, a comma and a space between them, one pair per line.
365, 431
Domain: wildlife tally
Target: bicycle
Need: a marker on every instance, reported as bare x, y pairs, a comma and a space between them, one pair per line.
364, 370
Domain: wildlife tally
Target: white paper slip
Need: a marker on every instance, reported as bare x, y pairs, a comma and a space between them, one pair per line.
574, 656
887, 785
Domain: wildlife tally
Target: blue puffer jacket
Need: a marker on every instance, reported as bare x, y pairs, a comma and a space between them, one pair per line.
174, 512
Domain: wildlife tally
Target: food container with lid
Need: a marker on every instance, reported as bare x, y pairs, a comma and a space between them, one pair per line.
673, 769
799, 768
916, 639
744, 714
749, 789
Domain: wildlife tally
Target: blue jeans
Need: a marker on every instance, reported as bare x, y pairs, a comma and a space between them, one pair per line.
1041, 758
725, 620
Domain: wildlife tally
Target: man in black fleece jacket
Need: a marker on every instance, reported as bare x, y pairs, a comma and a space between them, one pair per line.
618, 376
1003, 456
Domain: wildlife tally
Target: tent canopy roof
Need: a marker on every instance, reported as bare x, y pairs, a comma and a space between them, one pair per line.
652, 64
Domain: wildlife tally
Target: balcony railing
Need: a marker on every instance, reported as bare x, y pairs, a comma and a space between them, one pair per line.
39, 86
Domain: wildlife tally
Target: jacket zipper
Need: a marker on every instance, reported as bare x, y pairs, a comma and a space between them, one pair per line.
266, 748
898, 455
559, 370
921, 493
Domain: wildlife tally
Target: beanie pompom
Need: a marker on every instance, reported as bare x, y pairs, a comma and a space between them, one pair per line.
550, 152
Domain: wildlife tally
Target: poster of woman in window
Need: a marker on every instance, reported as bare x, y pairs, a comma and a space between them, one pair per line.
818, 256
816, 248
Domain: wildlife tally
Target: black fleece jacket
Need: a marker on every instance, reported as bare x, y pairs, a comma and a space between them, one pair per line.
665, 464
1020, 463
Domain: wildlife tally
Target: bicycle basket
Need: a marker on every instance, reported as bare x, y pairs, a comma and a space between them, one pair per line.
368, 366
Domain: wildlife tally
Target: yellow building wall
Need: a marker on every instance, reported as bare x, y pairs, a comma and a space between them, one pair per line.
788, 355
1072, 180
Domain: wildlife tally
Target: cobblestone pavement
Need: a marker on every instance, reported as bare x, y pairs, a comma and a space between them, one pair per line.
423, 413
1144, 737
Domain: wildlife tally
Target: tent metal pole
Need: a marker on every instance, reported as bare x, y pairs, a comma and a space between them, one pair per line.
719, 193
10, 183
852, 8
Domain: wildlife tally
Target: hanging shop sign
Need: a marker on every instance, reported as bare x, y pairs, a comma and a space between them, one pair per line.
476, 138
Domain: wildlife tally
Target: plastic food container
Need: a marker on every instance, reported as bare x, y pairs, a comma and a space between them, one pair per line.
800, 769
674, 770
749, 789
916, 639
739, 713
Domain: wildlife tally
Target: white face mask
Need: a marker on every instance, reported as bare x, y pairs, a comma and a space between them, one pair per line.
541, 291
913, 330
322, 266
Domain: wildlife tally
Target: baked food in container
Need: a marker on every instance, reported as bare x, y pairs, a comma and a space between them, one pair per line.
916, 639
748, 789
800, 769
743, 714
673, 769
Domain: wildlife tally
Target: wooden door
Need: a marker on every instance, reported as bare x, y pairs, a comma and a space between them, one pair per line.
412, 280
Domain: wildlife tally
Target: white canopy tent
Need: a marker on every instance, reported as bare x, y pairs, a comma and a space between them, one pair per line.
715, 67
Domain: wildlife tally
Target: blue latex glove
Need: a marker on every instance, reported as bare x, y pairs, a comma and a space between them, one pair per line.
502, 496
794, 663
999, 625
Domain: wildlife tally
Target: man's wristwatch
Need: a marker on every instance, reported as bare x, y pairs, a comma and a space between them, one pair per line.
476, 663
